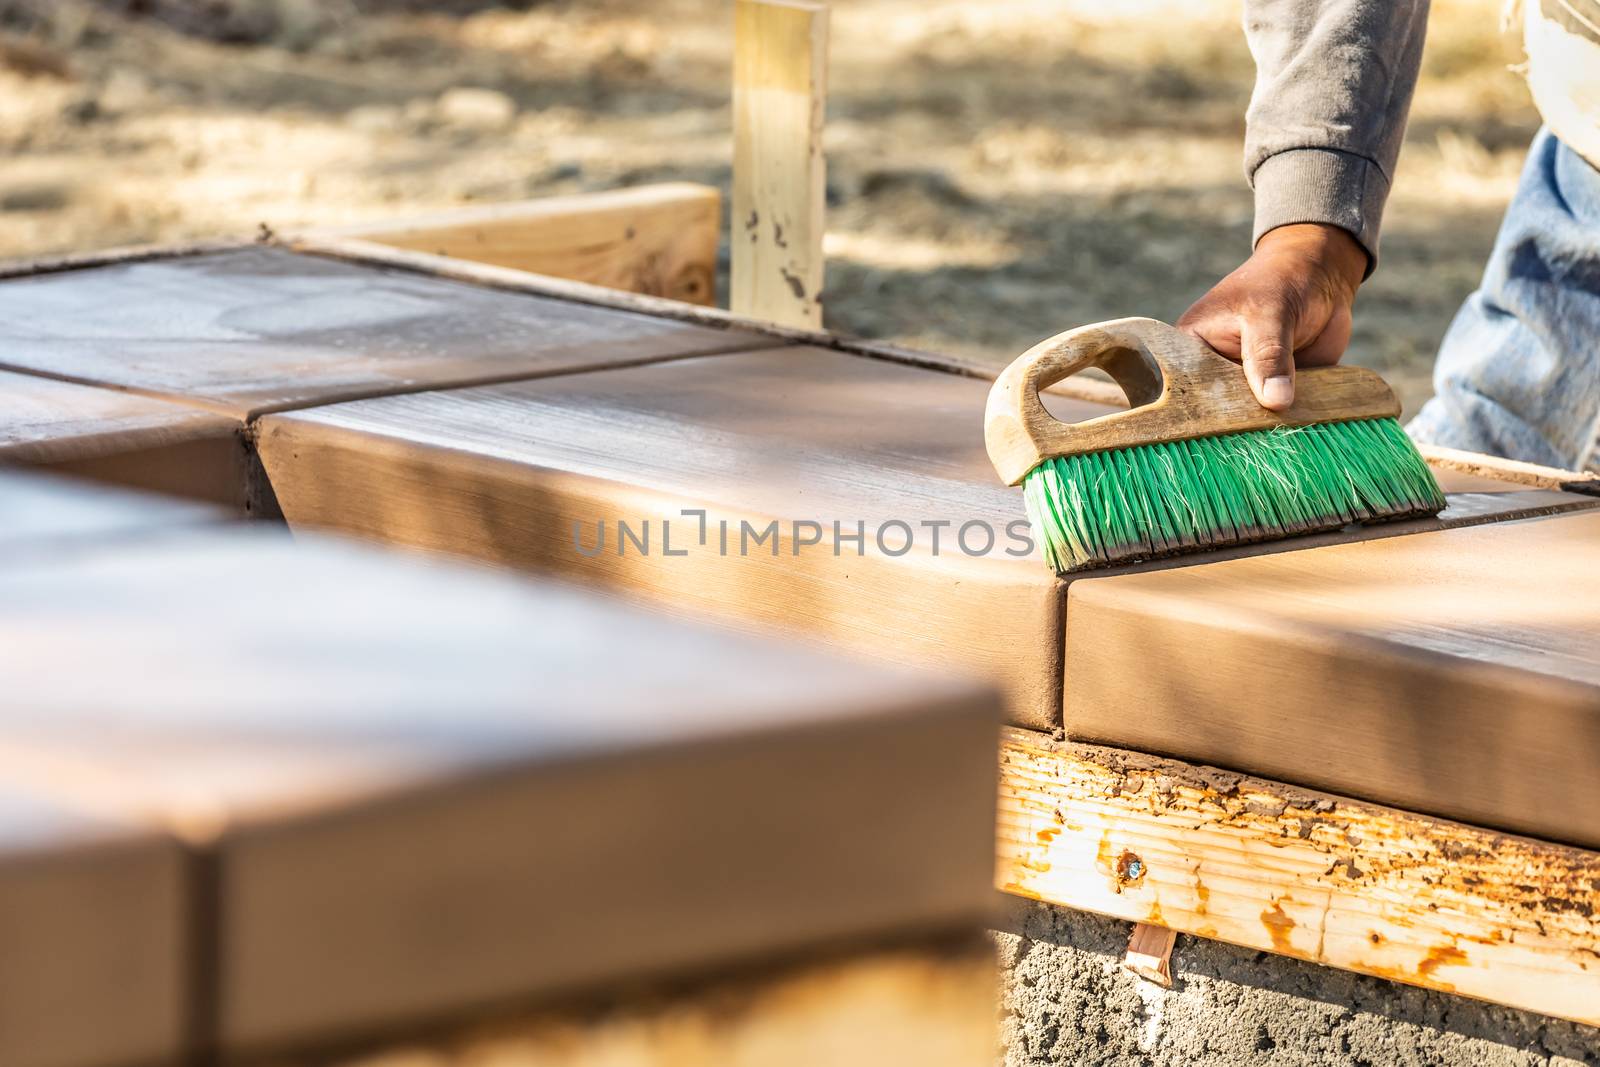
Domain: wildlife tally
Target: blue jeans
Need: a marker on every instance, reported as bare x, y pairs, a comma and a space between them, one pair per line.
1518, 374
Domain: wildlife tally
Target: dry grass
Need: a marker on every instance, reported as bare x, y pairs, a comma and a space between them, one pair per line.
999, 171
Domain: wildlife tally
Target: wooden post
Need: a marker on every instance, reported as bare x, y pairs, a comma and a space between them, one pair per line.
779, 94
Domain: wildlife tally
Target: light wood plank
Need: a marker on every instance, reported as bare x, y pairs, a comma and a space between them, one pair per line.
780, 79
1498, 467
262, 329
660, 240
1454, 672
424, 790
1323, 878
94, 963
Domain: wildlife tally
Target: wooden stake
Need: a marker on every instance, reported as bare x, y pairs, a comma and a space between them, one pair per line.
1150, 953
779, 95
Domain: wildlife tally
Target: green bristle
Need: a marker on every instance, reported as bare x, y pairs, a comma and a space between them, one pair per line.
1181, 496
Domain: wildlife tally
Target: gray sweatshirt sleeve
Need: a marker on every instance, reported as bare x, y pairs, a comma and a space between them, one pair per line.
1333, 85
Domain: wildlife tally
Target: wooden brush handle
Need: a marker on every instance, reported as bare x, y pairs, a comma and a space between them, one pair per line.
1177, 387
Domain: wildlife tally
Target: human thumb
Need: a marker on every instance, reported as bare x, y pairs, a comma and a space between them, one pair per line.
1266, 347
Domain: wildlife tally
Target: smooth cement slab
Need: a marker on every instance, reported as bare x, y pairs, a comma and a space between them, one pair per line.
263, 329
843, 498
122, 438
1453, 673
840, 497
95, 932
413, 791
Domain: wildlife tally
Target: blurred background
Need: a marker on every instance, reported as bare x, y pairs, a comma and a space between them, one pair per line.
998, 169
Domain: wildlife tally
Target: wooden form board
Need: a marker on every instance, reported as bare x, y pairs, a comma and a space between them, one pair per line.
122, 438
1323, 878
660, 240
780, 89
92, 919
1476, 464
508, 473
790, 436
262, 329
1455, 673
422, 790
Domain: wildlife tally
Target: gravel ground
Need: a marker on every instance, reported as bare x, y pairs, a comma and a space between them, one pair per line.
998, 171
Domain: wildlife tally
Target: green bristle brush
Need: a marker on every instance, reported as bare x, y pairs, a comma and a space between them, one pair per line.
1196, 462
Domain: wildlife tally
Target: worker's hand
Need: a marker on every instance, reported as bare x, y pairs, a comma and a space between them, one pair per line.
1288, 305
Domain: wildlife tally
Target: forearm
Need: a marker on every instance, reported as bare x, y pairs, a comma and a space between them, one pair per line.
1333, 85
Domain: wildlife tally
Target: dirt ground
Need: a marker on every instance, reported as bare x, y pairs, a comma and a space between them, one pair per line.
999, 169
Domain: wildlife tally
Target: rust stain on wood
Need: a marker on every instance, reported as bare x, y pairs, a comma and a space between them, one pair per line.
1386, 892
1440, 956
1278, 926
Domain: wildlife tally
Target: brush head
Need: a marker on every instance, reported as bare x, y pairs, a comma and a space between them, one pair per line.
1096, 508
